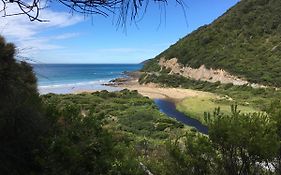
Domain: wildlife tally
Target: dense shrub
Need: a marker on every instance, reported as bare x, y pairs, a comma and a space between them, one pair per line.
21, 122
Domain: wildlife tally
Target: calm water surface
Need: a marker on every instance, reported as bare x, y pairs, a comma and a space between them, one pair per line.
169, 109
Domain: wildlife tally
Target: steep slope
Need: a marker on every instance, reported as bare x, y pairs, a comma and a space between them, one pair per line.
245, 42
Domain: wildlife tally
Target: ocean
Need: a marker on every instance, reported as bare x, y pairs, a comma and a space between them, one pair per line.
69, 78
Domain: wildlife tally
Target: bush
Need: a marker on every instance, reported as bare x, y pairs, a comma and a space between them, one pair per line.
21, 120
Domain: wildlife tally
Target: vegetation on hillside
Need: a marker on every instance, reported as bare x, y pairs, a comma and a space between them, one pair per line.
245, 41
113, 132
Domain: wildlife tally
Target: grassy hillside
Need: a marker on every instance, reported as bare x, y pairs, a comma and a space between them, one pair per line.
245, 41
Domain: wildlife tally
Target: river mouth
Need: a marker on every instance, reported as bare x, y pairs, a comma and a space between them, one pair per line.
169, 108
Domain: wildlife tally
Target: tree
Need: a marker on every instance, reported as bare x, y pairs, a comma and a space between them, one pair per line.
193, 153
21, 122
77, 144
244, 141
275, 112
124, 8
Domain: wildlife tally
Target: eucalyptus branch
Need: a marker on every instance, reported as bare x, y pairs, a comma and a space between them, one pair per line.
127, 9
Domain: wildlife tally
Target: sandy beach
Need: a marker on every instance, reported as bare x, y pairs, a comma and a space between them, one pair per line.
155, 92
150, 90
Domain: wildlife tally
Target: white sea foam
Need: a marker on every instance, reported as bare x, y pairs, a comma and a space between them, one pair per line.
66, 78
69, 85
75, 87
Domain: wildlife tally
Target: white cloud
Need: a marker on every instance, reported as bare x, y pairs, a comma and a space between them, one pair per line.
28, 35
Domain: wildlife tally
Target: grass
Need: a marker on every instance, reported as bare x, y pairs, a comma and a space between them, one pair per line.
196, 106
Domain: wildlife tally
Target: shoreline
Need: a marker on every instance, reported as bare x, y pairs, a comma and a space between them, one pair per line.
154, 91
130, 82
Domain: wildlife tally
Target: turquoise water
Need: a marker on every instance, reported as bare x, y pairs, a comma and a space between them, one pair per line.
68, 78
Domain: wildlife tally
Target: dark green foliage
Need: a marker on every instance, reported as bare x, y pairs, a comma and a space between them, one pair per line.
237, 144
79, 145
21, 123
275, 111
102, 133
243, 140
133, 113
193, 153
245, 41
151, 66
79, 142
111, 133
126, 161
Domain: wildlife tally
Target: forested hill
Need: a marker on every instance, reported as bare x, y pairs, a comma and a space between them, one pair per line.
245, 41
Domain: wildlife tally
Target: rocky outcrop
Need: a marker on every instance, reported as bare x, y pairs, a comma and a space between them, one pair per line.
129, 78
202, 73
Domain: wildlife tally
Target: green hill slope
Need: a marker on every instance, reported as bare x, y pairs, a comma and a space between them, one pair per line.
245, 41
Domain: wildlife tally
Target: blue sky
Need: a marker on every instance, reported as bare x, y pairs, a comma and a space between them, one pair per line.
72, 38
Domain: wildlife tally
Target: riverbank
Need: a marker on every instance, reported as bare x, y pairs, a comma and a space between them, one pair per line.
192, 103
169, 108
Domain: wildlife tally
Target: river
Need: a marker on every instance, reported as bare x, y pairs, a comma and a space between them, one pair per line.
169, 108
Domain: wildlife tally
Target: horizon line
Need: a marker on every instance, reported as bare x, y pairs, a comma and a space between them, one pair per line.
86, 63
